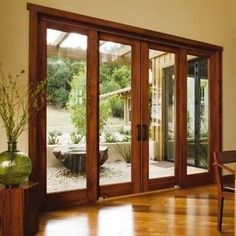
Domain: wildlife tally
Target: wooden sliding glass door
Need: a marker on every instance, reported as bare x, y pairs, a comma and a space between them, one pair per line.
66, 109
128, 110
69, 130
119, 115
159, 116
199, 84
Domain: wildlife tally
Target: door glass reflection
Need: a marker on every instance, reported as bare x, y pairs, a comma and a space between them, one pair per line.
66, 111
162, 114
197, 115
115, 112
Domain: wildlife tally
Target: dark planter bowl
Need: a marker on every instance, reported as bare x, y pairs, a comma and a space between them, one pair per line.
74, 158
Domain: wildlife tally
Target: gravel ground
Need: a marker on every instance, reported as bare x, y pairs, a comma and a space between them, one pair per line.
62, 179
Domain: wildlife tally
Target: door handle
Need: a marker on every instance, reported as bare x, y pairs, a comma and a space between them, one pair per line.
139, 132
144, 132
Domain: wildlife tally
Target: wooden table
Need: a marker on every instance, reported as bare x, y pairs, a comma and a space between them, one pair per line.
232, 168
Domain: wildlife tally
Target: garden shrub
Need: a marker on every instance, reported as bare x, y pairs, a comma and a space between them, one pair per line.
124, 149
53, 137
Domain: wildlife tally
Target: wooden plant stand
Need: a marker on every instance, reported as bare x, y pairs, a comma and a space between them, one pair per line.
19, 210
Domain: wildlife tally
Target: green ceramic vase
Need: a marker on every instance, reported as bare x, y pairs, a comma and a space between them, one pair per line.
15, 166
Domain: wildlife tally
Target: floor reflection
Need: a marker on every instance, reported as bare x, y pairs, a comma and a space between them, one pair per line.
116, 221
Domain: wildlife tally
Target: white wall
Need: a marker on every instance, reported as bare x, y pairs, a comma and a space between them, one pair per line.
210, 21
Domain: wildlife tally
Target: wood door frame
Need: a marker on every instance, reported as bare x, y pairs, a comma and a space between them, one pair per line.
39, 14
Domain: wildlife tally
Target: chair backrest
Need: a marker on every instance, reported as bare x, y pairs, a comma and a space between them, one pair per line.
222, 158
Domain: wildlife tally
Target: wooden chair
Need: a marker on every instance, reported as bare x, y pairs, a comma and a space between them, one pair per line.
225, 182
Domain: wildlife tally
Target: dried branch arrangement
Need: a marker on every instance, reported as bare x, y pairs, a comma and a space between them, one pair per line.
19, 104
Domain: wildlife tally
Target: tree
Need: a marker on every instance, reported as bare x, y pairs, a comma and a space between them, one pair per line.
122, 76
114, 77
60, 73
77, 106
117, 106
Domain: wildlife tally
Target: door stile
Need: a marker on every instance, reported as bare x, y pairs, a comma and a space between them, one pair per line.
136, 119
215, 106
92, 142
144, 112
181, 117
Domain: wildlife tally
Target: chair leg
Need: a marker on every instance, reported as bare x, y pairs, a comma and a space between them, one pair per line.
220, 213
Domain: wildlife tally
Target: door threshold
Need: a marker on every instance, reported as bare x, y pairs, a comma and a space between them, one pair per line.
102, 199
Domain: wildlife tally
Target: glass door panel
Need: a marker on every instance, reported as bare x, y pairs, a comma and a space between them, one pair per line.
162, 114
115, 113
66, 111
197, 115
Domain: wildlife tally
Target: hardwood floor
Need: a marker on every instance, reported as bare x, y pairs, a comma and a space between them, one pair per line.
182, 212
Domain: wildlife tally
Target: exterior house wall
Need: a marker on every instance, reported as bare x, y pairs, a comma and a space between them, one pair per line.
208, 21
159, 63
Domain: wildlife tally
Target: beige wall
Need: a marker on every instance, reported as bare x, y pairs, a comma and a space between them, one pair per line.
211, 21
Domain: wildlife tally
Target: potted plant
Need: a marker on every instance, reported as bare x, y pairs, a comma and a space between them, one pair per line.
18, 104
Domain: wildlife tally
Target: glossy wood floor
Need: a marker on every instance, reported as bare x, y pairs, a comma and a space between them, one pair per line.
177, 212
